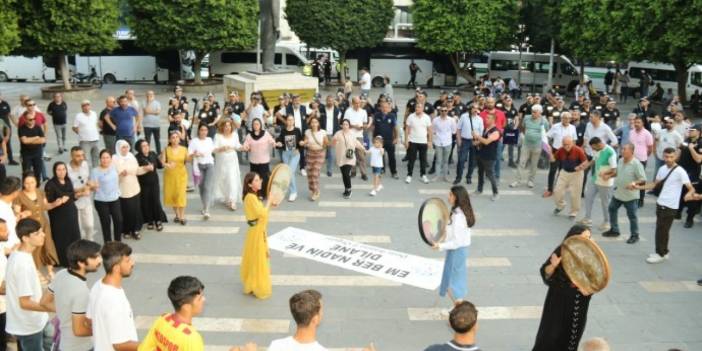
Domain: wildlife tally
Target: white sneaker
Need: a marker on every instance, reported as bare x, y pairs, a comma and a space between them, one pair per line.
656, 258
206, 215
585, 221
292, 197
373, 192
604, 227
425, 180
408, 180
530, 184
514, 184
379, 188
304, 173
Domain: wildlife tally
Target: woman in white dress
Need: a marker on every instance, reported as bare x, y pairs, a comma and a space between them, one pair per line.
227, 176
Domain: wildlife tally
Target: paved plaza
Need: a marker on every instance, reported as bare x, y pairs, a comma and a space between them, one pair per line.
645, 307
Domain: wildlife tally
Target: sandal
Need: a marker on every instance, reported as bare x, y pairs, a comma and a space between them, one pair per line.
182, 221
159, 226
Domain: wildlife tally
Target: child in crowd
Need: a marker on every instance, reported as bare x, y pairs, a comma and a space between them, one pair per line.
376, 160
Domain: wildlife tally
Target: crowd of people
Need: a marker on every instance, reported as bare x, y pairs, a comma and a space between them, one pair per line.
590, 152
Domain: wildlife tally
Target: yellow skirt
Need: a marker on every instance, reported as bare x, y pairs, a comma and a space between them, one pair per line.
255, 268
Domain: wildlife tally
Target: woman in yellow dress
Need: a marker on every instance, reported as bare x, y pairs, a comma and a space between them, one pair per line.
255, 268
175, 176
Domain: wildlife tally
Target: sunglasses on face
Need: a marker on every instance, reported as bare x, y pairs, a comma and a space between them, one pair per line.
28, 105
30, 119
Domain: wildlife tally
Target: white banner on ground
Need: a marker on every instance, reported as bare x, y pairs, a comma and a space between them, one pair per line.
375, 261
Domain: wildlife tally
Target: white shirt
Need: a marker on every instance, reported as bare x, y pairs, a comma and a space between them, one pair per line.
297, 116
330, 120
290, 344
418, 128
457, 232
443, 129
3, 268
22, 279
357, 118
672, 188
365, 81
87, 126
112, 317
80, 177
667, 138
466, 124
376, 156
205, 147
558, 132
8, 215
604, 132
255, 113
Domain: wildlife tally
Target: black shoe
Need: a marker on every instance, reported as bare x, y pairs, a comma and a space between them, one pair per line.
610, 234
329, 174
556, 211
632, 240
60, 151
699, 282
404, 159
364, 177
469, 181
641, 203
688, 224
347, 194
395, 176
512, 165
678, 215
456, 181
14, 163
432, 171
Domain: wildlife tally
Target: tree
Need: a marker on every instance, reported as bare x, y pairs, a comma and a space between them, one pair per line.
463, 27
9, 31
199, 25
586, 34
67, 27
342, 26
657, 30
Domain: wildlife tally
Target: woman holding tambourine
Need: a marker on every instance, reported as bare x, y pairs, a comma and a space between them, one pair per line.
454, 280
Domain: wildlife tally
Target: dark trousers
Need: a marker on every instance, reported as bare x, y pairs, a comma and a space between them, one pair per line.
453, 146
552, 169
466, 152
642, 193
346, 176
156, 132
3, 334
411, 82
664, 220
390, 152
110, 211
3, 172
264, 172
693, 207
486, 168
10, 157
33, 162
412, 151
303, 163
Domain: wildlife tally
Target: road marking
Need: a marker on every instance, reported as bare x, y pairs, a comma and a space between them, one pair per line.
187, 259
240, 218
231, 325
198, 229
488, 262
485, 313
367, 204
499, 232
670, 286
502, 192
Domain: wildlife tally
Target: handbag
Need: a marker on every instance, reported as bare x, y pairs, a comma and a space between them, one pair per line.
511, 136
349, 152
656, 191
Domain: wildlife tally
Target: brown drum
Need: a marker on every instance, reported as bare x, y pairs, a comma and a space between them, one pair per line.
279, 183
585, 263
433, 217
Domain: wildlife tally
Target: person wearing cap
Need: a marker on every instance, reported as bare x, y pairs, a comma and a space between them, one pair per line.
611, 113
443, 96
691, 161
57, 110
85, 125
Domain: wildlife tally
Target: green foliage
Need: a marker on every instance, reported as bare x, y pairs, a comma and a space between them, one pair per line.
67, 26
9, 31
338, 24
542, 21
200, 25
464, 26
586, 30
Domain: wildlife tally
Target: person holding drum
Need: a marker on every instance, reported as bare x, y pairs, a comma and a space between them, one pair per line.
255, 269
454, 278
565, 309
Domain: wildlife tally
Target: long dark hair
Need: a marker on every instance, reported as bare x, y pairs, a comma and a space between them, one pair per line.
576, 230
463, 202
248, 178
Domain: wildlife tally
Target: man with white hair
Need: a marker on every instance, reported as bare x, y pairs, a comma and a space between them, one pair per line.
532, 128
557, 133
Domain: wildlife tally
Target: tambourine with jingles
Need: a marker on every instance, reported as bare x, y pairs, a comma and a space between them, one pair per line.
585, 264
433, 218
279, 183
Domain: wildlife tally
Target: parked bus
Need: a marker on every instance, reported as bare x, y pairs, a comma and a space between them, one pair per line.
127, 63
534, 69
22, 68
234, 62
665, 75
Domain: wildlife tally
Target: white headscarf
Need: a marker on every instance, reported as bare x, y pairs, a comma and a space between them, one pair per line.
118, 152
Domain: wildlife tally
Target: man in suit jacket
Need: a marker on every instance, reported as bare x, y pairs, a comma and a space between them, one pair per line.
299, 111
330, 120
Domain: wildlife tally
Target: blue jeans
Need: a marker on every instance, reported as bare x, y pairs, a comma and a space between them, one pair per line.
330, 158
40, 341
631, 209
498, 160
292, 159
466, 152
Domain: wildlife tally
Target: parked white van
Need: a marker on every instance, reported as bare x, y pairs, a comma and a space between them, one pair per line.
665, 75
122, 68
534, 69
233, 62
23, 68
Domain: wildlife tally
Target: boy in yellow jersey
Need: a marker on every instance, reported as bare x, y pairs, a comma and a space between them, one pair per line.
174, 331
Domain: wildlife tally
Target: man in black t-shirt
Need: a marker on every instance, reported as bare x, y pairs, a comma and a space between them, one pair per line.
463, 319
107, 128
691, 161
610, 114
644, 111
57, 109
31, 141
